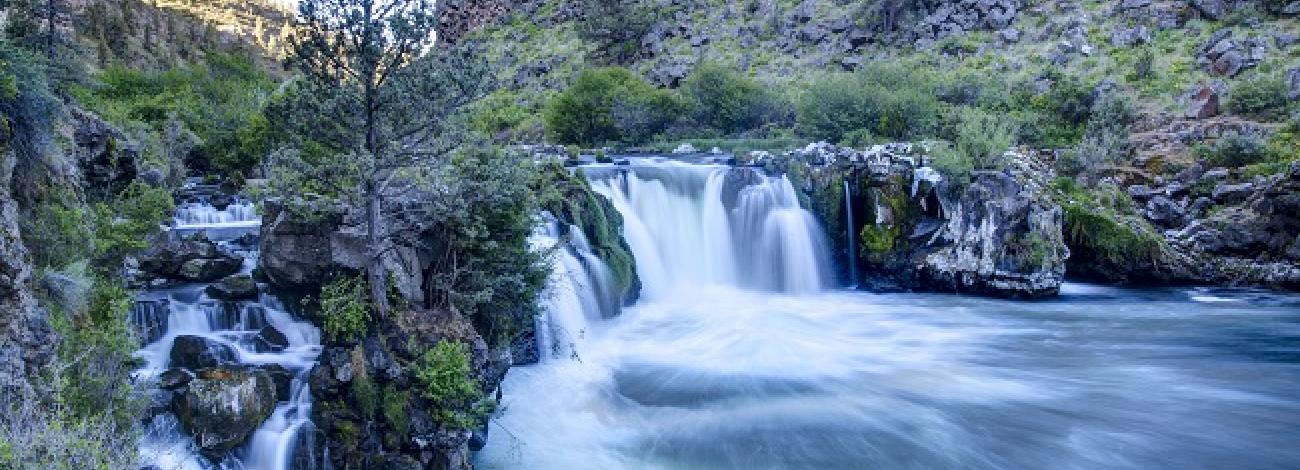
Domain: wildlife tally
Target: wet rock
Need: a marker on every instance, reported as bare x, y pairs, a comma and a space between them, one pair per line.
174, 378
223, 406
236, 287
282, 378
193, 259
196, 352
269, 339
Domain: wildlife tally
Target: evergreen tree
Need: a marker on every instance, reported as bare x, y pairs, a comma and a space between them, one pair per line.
379, 97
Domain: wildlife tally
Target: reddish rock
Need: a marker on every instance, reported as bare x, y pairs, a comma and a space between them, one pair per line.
1204, 104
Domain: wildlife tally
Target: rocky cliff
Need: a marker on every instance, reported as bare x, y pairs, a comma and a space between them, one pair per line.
26, 338
1000, 234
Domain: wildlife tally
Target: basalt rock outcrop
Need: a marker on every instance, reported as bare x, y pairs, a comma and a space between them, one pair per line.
999, 234
26, 338
221, 406
190, 259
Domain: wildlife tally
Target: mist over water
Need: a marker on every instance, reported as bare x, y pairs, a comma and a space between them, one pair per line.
746, 358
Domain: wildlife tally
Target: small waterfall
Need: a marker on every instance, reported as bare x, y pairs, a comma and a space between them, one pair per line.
187, 310
694, 225
580, 290
850, 237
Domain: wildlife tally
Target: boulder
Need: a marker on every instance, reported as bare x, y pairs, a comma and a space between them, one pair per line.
269, 339
174, 378
236, 287
1213, 10
223, 406
196, 352
1232, 193
1164, 212
1129, 37
283, 379
1204, 104
192, 259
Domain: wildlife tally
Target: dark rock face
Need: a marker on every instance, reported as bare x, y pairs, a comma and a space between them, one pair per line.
236, 287
174, 378
197, 352
193, 259
298, 254
26, 339
221, 407
1204, 104
269, 339
999, 235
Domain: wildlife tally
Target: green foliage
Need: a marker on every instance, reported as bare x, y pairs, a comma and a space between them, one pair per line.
393, 408
878, 239
893, 99
366, 394
345, 310
99, 345
721, 98
983, 138
127, 223
1262, 95
1057, 117
219, 99
1235, 150
57, 234
1102, 224
487, 270
29, 111
444, 378
1105, 140
498, 112
609, 105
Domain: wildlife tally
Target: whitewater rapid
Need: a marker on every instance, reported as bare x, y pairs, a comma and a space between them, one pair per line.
732, 362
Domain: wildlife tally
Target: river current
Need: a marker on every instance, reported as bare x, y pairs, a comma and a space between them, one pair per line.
753, 369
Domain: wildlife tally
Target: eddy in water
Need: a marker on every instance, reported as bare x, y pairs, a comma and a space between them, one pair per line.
742, 355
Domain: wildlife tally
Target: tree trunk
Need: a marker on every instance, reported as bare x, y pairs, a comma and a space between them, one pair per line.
375, 255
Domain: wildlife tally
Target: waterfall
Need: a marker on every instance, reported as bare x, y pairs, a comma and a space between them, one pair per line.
697, 225
580, 290
850, 239
163, 315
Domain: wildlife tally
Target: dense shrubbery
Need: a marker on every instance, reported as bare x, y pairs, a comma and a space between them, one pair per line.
722, 99
610, 105
1235, 150
888, 99
345, 311
446, 380
1263, 95
1105, 139
219, 101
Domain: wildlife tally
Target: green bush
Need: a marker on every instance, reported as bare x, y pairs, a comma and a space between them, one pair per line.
983, 138
127, 223
1055, 118
722, 98
220, 100
1105, 140
609, 105
345, 308
1235, 150
890, 99
1263, 95
445, 379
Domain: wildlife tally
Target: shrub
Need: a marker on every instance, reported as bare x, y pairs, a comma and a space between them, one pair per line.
127, 224
345, 308
445, 379
1105, 140
1263, 95
722, 98
983, 138
609, 105
1235, 150
1103, 223
889, 99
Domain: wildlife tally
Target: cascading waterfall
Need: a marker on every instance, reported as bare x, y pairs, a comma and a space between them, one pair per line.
694, 225
580, 290
851, 240
163, 315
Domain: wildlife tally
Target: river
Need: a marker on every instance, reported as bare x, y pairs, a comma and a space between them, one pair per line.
742, 355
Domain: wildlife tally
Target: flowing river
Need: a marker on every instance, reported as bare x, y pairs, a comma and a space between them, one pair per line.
742, 354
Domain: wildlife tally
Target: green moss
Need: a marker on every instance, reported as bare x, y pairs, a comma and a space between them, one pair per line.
445, 379
364, 393
393, 408
879, 238
1103, 223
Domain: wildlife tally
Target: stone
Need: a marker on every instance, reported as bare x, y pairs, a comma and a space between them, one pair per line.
1141, 192
282, 378
1285, 41
1215, 174
1010, 35
1232, 193
1203, 104
174, 378
196, 352
1130, 36
1165, 213
1213, 10
235, 287
223, 406
1229, 64
685, 148
269, 339
1293, 84
207, 269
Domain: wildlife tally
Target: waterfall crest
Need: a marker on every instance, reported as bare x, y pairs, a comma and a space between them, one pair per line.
695, 225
